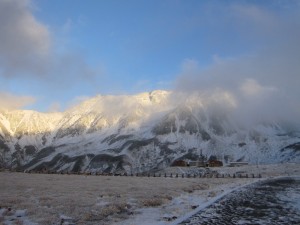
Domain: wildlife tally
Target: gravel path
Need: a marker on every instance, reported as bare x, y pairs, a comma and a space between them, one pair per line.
269, 202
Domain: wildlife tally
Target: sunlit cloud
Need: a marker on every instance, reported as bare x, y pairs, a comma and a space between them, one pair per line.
24, 42
29, 49
252, 88
263, 83
54, 107
9, 101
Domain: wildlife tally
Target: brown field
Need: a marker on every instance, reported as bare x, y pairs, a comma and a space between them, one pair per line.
107, 199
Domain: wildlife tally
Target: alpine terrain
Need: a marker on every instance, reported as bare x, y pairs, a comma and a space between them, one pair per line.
138, 133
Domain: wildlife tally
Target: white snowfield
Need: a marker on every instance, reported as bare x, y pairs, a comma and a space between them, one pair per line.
31, 199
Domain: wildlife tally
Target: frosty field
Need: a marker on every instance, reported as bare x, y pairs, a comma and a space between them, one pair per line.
66, 199
269, 202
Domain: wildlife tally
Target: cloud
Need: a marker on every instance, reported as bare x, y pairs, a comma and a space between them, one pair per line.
54, 107
251, 88
253, 15
9, 101
264, 82
29, 49
24, 42
34, 56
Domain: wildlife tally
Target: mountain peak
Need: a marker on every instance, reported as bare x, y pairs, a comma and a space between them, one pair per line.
135, 132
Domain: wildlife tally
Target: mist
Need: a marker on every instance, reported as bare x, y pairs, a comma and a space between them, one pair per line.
264, 83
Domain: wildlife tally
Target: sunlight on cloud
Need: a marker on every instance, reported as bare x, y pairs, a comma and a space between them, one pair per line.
251, 87
54, 107
28, 50
24, 42
262, 85
10, 102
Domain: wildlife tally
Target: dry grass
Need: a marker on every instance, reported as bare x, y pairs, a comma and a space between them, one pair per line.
90, 199
196, 187
152, 202
105, 212
18, 222
96, 199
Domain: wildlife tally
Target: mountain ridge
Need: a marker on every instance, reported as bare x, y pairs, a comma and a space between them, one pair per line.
136, 133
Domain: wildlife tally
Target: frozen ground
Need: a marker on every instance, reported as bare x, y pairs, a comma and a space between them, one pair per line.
272, 201
72, 199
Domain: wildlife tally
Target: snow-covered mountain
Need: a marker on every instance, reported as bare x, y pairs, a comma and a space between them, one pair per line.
138, 133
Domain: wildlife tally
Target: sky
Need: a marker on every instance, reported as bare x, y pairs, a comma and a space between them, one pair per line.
56, 52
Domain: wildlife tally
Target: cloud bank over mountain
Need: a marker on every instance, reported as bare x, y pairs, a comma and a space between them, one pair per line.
256, 76
263, 84
12, 102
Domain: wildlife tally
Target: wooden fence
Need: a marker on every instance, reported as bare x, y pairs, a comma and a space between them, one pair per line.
165, 175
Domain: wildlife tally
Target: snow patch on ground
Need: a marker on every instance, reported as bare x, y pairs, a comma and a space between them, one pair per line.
188, 204
184, 206
10, 216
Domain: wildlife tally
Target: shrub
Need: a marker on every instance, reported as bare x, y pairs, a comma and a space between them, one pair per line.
153, 202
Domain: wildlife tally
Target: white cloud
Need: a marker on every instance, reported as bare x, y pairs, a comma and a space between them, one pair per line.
54, 107
9, 101
265, 83
24, 42
27, 48
252, 88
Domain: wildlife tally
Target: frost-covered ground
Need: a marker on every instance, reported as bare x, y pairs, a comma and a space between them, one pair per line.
272, 201
53, 199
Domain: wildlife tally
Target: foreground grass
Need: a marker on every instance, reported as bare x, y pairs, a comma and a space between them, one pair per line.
98, 199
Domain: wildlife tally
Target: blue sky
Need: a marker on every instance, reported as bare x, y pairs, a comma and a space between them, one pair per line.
70, 49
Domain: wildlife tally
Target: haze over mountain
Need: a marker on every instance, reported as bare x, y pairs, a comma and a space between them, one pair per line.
230, 70
139, 133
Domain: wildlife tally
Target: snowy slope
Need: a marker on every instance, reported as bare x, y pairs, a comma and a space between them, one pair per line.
137, 133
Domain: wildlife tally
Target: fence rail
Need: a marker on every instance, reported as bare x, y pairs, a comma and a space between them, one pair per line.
165, 175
